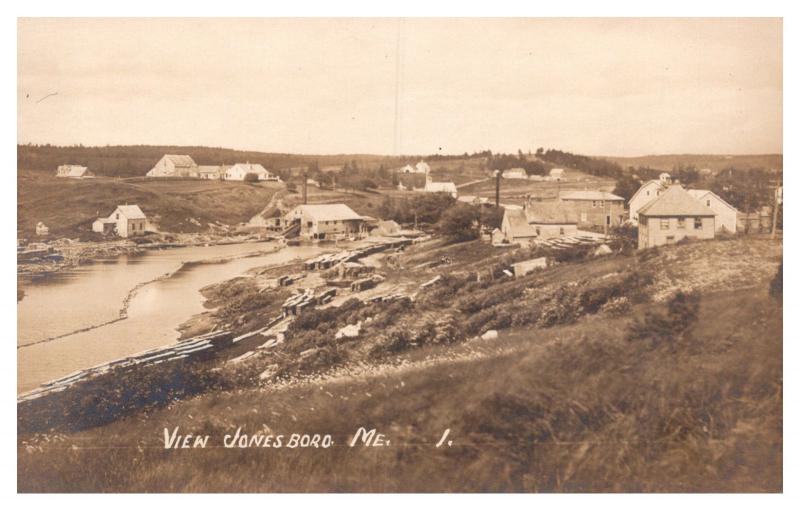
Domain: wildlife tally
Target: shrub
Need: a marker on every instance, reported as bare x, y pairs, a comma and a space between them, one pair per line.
458, 223
776, 285
670, 328
616, 307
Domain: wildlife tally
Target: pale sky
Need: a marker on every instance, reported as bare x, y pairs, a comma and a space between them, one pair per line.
413, 86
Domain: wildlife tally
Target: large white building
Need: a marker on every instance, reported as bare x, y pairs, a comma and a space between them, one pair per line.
440, 187
326, 221
515, 173
174, 165
239, 171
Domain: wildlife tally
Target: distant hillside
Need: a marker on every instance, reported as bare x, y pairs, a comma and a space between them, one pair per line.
715, 162
137, 160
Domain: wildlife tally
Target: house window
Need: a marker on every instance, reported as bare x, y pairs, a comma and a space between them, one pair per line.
708, 203
538, 231
594, 203
583, 217
648, 193
681, 223
665, 224
561, 231
698, 223
670, 239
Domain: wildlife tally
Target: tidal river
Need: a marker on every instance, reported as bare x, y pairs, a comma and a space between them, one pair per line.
66, 322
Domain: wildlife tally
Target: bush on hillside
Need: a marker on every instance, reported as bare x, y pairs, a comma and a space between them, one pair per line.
667, 329
776, 285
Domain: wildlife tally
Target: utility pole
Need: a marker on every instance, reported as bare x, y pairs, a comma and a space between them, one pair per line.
497, 188
305, 187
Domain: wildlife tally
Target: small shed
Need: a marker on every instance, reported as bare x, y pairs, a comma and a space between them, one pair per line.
525, 267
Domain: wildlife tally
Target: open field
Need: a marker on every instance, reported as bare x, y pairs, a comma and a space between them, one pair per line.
568, 402
69, 206
513, 191
715, 162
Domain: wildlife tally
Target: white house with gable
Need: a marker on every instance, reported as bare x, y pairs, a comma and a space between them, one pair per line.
726, 213
125, 221
73, 171
648, 192
440, 187
238, 172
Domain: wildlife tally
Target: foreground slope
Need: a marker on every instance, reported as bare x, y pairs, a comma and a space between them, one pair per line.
671, 395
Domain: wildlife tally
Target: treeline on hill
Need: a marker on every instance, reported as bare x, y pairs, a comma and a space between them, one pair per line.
137, 160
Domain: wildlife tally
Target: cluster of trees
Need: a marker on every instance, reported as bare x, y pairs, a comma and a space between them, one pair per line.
593, 166
502, 162
425, 208
455, 220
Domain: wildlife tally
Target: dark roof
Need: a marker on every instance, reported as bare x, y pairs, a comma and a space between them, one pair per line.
675, 201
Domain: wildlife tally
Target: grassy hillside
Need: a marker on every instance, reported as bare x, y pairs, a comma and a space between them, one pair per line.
69, 206
715, 162
667, 395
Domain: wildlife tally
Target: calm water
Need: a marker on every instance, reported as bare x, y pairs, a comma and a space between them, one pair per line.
93, 294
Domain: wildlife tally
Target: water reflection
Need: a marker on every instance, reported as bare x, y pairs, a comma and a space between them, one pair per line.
93, 294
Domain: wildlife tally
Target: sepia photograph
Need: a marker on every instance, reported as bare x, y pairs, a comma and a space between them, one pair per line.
399, 255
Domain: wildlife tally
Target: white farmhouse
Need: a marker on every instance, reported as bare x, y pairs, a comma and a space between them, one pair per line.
726, 213
238, 172
515, 173
441, 187
557, 174
648, 192
73, 171
420, 168
174, 165
125, 221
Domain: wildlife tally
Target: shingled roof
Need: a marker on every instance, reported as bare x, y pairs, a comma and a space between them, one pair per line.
548, 213
675, 201
588, 195
180, 160
132, 212
518, 223
330, 212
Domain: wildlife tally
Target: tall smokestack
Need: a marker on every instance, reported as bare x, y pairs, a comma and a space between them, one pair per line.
305, 188
497, 188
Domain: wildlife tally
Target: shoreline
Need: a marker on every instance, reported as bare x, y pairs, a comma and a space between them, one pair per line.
123, 311
194, 323
80, 253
